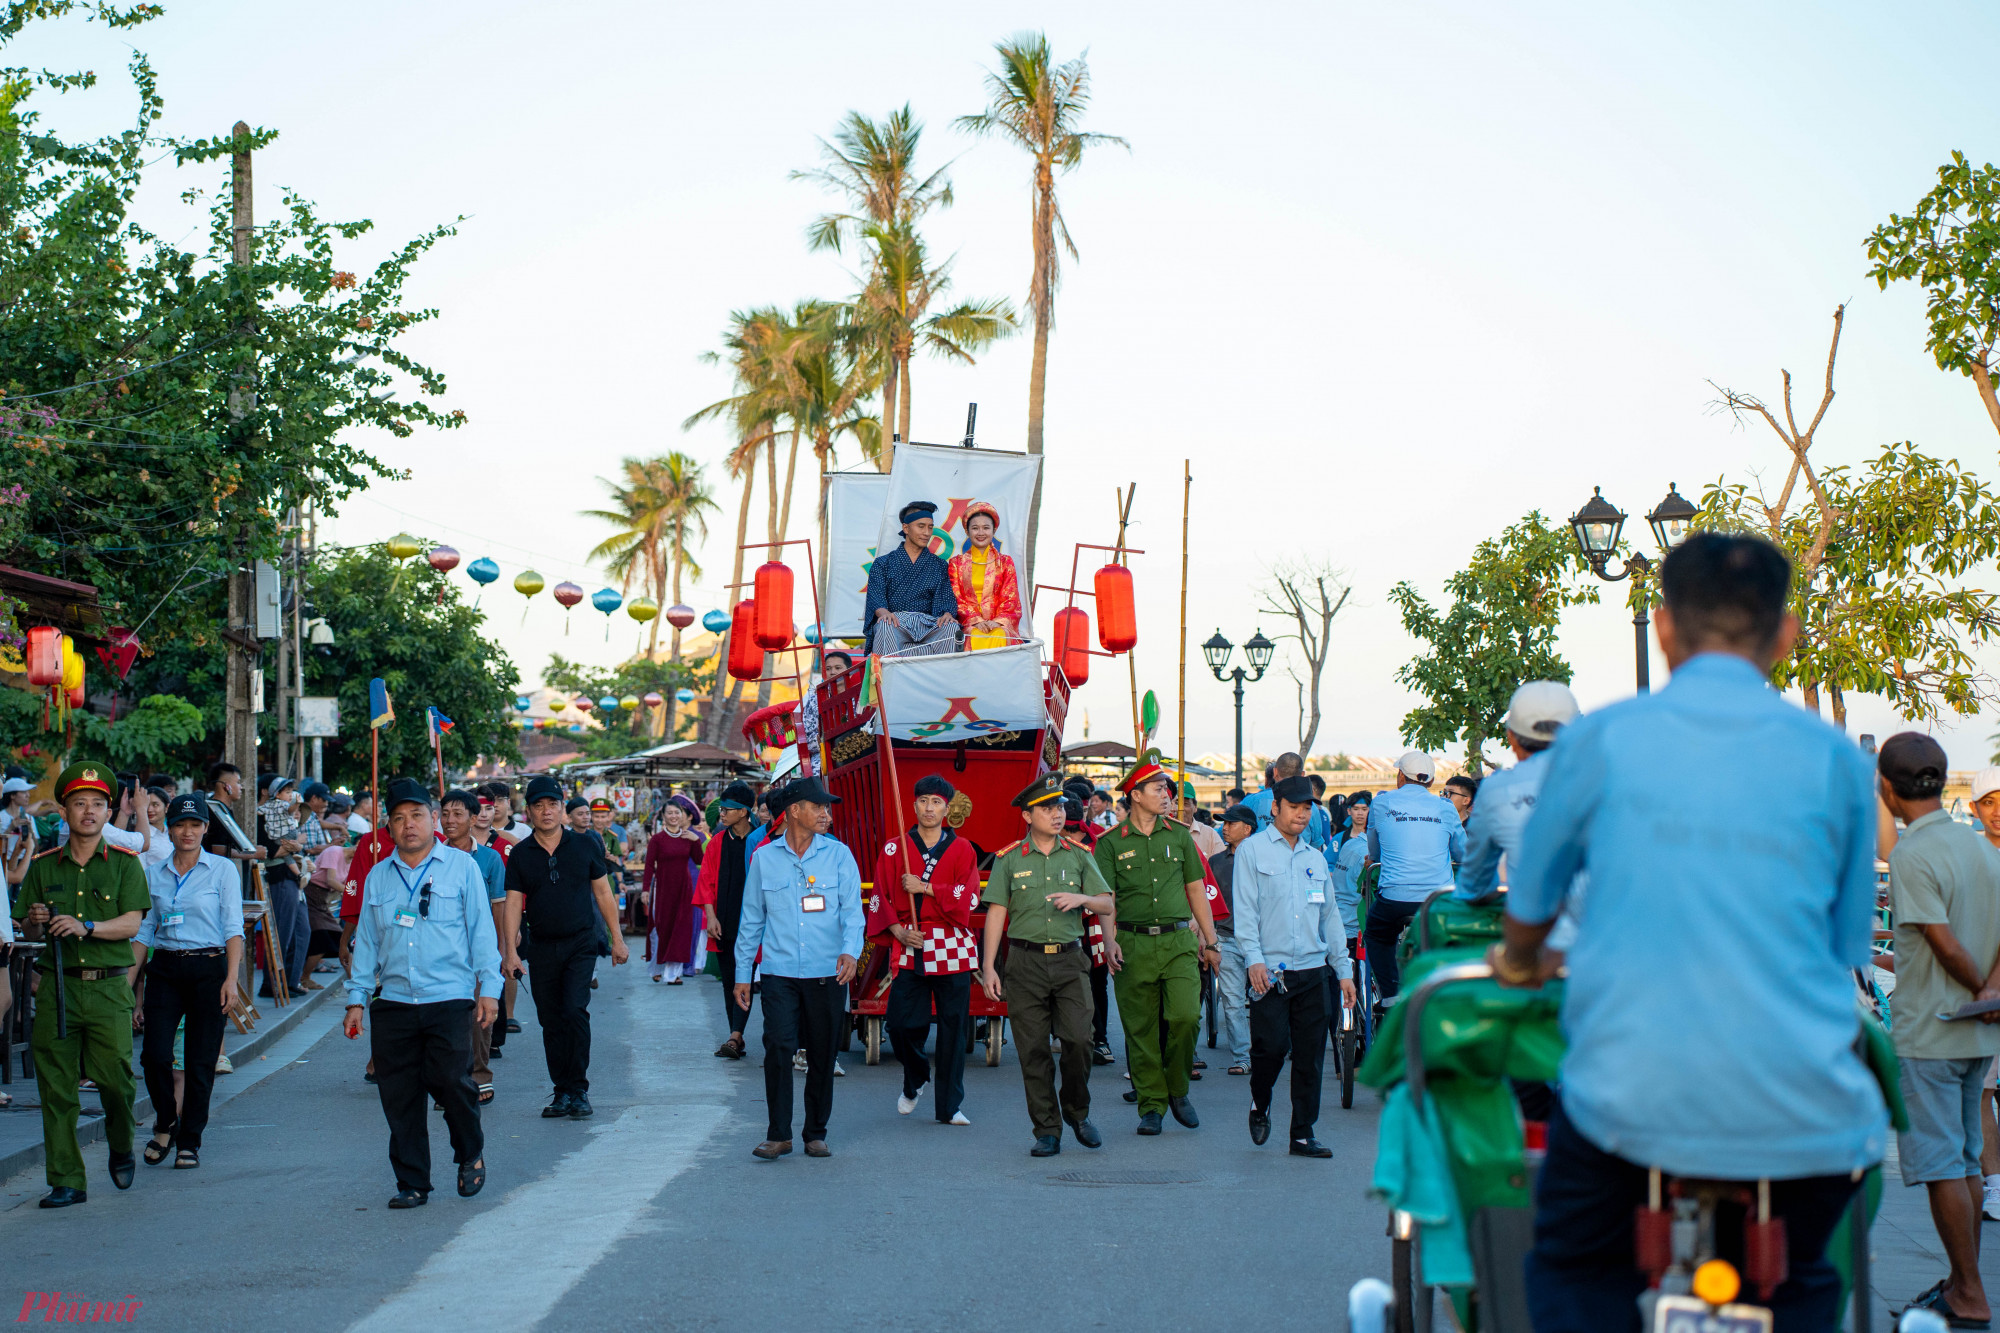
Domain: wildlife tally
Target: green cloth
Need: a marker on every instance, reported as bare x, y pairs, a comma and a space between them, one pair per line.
1022, 879
1160, 982
1941, 873
1149, 872
108, 886
98, 1047
1452, 922
1413, 1175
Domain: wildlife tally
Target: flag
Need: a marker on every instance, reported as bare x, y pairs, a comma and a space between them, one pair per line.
381, 712
436, 724
870, 694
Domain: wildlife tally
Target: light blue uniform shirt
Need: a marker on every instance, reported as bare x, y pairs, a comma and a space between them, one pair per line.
492, 870
452, 953
1347, 867
1729, 836
798, 943
1416, 836
1319, 829
1499, 817
1282, 906
208, 899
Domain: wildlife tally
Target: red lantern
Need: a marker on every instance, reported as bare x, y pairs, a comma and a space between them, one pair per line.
1117, 622
746, 659
568, 594
1072, 644
582, 705
679, 616
773, 596
45, 661
443, 559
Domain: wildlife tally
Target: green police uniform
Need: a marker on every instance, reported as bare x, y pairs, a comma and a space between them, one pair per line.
1047, 972
97, 996
1160, 982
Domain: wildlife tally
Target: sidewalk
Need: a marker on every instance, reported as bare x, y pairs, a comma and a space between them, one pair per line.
21, 1124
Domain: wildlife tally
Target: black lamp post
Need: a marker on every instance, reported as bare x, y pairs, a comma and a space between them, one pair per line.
1597, 527
1258, 651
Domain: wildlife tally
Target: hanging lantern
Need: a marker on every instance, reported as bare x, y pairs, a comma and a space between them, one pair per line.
569, 594
576, 726
642, 609
581, 705
45, 659
402, 546
684, 695
72, 677
522, 703
653, 699
558, 704
679, 616
746, 659
1070, 640
812, 633
630, 703
527, 583
443, 559
1117, 622
609, 703
773, 596
715, 622
607, 600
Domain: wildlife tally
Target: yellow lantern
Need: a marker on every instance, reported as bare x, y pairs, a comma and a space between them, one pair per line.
402, 546
527, 583
629, 703
642, 609
558, 704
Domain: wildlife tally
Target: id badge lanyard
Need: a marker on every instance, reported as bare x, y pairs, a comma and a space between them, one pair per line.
407, 916
173, 916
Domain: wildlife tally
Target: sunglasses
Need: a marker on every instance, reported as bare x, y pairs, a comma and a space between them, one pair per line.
424, 901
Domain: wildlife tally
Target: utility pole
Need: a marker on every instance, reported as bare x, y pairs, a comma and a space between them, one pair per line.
240, 734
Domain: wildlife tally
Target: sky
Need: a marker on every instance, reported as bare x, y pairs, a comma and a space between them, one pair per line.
1387, 278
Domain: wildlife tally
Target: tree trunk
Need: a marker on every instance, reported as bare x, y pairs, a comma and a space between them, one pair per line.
885, 457
785, 512
712, 732
1038, 366
903, 398
1838, 699
1984, 379
771, 519
1810, 689
672, 705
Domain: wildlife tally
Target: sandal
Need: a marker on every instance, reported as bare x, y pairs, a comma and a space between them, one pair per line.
1238, 1069
485, 1093
156, 1152
1936, 1301
187, 1159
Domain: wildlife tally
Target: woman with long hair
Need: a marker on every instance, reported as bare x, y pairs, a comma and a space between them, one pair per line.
671, 857
985, 583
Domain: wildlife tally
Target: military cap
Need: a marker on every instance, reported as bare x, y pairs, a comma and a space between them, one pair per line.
930, 784
1142, 773
406, 791
192, 805
600, 804
1046, 788
916, 509
84, 775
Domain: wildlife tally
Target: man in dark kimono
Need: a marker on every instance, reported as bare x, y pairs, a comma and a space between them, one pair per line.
910, 609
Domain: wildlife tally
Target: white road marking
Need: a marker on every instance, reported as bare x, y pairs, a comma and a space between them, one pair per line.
594, 1197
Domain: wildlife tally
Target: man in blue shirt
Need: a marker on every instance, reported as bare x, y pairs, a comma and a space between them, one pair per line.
1319, 829
1538, 710
1414, 836
1730, 841
194, 930
910, 608
426, 953
802, 907
1288, 927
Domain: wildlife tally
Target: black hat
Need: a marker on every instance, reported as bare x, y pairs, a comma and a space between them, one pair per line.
191, 806
1914, 764
1046, 788
737, 795
312, 789
542, 787
915, 509
405, 791
574, 804
930, 784
1297, 789
809, 789
1072, 810
1079, 786
1240, 814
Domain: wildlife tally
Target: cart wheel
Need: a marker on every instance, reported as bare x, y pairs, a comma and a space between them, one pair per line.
1400, 1279
994, 1027
1349, 1053
873, 1040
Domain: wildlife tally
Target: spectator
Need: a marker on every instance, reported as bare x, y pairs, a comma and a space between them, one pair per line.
1944, 894
277, 833
1232, 977
1461, 789
361, 822
1101, 812
1319, 828
130, 829
323, 894
151, 811
457, 814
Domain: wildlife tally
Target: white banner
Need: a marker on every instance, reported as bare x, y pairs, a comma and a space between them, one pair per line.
951, 696
854, 503
952, 478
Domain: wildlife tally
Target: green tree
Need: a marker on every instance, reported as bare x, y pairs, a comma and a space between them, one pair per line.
896, 308
1499, 631
659, 502
1038, 106
1950, 246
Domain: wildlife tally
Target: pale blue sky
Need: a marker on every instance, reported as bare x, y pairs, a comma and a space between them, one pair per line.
1390, 276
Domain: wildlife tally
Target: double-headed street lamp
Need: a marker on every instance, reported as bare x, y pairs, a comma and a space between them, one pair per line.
1597, 526
1258, 651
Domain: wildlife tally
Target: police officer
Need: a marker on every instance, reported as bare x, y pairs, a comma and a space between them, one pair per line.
1164, 932
1034, 896
88, 898
194, 930
423, 951
1288, 926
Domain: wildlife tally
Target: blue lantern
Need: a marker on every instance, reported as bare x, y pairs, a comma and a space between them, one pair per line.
715, 622
812, 633
607, 600
684, 695
522, 703
609, 703
482, 571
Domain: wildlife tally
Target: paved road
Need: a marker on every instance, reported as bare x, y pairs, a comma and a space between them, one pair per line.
654, 1214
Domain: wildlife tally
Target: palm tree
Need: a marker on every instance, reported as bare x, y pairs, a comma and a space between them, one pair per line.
654, 507
895, 308
1037, 105
873, 164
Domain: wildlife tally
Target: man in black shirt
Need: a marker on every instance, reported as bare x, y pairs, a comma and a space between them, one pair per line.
725, 859
557, 879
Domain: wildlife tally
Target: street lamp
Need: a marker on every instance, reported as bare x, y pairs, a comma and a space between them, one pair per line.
1597, 527
1258, 652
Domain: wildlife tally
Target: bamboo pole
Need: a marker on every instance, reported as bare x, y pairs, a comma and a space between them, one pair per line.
1131, 663
1187, 493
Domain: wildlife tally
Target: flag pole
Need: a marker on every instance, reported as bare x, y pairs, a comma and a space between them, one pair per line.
375, 778
437, 753
1131, 662
1187, 494
895, 785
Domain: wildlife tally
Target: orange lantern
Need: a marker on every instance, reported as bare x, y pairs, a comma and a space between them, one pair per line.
1117, 622
1072, 644
773, 595
45, 657
746, 658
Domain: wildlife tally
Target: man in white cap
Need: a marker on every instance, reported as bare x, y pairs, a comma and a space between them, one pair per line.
1538, 710
1414, 836
1986, 802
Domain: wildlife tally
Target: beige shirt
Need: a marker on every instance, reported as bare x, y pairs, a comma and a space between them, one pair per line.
1942, 872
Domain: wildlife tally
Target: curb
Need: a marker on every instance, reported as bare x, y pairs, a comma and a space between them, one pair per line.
90, 1129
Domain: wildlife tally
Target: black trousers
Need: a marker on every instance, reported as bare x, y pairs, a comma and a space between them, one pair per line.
1290, 1020
800, 1013
559, 973
425, 1051
911, 996
1580, 1274
183, 986
738, 1015
1383, 928
1100, 997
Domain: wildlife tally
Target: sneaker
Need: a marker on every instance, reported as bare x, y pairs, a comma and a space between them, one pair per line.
906, 1103
1991, 1208
958, 1118
222, 1065
838, 1072
799, 1061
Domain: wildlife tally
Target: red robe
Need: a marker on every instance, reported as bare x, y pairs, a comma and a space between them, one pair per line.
1002, 599
954, 885
670, 880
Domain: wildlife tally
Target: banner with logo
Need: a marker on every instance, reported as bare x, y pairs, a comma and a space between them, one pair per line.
854, 503
951, 478
952, 696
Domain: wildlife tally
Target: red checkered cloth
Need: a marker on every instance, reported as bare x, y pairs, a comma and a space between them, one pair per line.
947, 949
